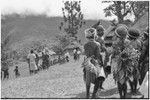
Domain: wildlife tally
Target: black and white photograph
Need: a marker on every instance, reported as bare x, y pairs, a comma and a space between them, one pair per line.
74, 49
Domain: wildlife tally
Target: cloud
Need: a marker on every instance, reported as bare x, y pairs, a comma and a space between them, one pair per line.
92, 9
9, 6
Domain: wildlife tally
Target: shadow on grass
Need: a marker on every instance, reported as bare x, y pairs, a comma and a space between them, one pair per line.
81, 95
108, 94
101, 94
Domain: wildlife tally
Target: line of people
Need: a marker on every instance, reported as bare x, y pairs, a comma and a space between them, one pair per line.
38, 61
43, 60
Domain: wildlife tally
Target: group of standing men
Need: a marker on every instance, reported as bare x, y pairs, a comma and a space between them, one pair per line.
38, 61
126, 45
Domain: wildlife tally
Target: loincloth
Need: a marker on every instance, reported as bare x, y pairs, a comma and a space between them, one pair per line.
91, 71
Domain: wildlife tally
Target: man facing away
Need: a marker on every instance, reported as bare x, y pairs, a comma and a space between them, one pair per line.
92, 49
100, 32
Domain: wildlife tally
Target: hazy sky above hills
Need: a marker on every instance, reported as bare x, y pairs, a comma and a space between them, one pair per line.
92, 9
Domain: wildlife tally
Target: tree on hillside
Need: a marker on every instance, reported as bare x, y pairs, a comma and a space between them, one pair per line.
5, 40
72, 18
139, 8
117, 8
61, 42
122, 8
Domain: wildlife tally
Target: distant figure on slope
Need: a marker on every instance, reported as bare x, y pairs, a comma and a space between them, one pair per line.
32, 63
75, 54
6, 72
78, 54
37, 58
17, 74
45, 58
40, 60
67, 56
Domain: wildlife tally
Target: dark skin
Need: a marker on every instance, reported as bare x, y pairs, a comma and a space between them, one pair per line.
91, 48
28, 61
100, 33
16, 71
143, 66
96, 83
134, 82
118, 48
122, 90
6, 74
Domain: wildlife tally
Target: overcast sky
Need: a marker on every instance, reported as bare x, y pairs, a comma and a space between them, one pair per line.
92, 9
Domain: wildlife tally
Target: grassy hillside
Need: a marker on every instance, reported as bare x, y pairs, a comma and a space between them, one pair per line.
24, 30
143, 22
59, 81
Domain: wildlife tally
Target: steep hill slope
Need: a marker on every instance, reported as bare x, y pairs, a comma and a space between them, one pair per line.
59, 81
26, 29
23, 30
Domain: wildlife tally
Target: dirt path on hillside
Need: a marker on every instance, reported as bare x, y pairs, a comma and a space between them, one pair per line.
60, 81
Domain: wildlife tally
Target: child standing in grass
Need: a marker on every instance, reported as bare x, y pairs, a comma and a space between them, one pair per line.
17, 74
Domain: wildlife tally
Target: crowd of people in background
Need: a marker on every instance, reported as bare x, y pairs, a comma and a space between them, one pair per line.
42, 60
38, 60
